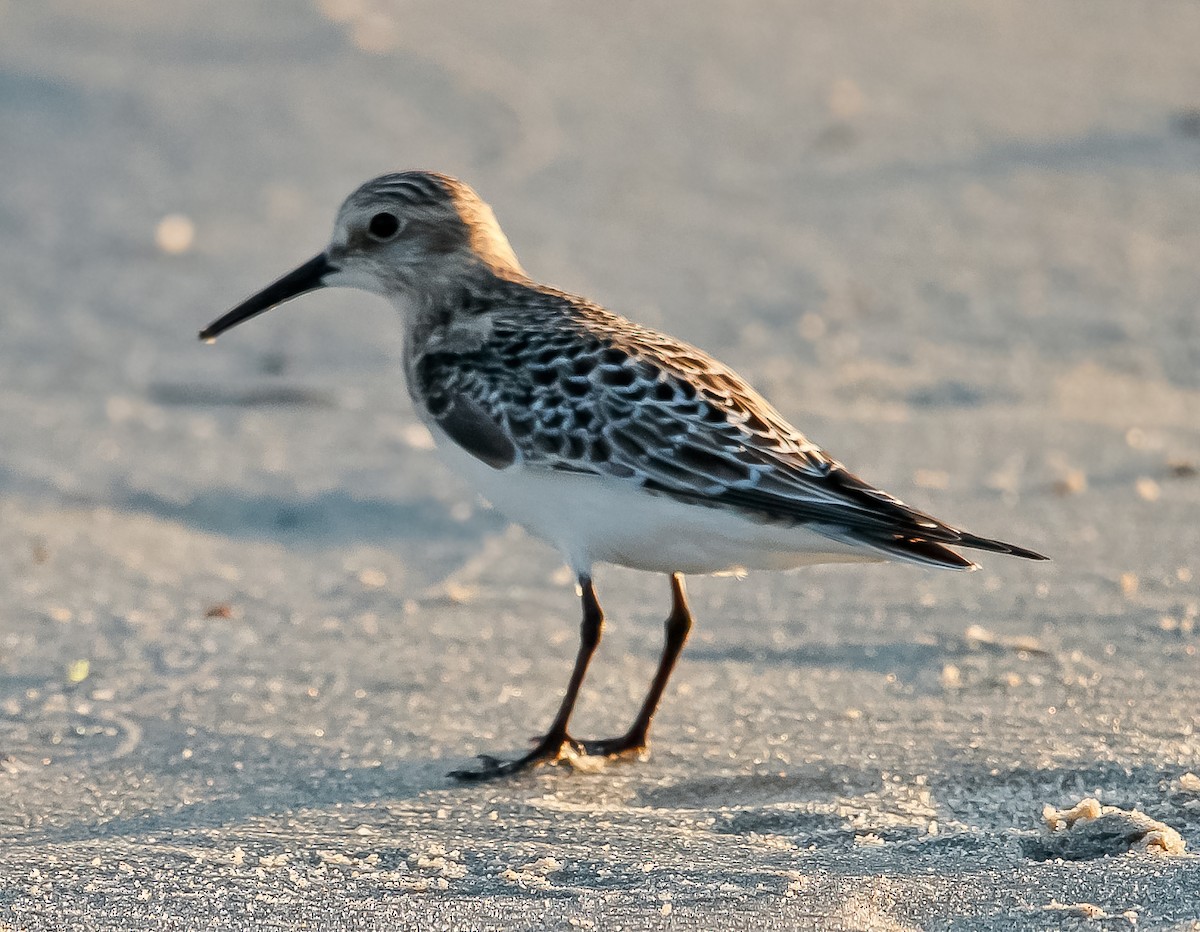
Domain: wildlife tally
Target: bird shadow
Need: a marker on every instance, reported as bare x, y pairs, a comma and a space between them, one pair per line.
332, 517
242, 780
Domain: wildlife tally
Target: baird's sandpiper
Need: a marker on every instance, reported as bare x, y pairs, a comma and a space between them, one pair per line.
615, 443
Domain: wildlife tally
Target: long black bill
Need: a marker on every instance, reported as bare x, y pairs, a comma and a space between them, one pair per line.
308, 277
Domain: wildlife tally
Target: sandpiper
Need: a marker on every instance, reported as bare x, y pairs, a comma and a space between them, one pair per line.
613, 442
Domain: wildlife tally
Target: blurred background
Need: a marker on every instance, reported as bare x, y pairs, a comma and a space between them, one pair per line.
954, 243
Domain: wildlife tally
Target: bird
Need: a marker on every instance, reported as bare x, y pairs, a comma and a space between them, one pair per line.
613, 442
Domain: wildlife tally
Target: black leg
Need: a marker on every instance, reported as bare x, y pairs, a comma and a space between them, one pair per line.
557, 741
636, 740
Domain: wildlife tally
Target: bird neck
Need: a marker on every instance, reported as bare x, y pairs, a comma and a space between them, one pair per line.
487, 241
451, 313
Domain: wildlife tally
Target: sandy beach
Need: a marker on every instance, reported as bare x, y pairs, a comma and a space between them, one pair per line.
251, 621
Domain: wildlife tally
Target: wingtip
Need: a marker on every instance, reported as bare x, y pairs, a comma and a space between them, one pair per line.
974, 542
1027, 554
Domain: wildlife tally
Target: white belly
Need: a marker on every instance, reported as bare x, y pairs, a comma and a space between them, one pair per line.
592, 520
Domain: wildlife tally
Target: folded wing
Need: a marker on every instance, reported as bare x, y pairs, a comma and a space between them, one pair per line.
643, 408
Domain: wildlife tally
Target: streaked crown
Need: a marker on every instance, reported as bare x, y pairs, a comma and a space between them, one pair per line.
415, 228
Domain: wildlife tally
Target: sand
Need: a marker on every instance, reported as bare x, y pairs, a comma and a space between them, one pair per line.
251, 622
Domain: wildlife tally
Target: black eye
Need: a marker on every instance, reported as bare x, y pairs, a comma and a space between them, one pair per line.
383, 226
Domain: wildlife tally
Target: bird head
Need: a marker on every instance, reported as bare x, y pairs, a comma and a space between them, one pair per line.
402, 236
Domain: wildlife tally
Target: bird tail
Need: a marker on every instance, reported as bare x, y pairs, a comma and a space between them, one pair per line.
915, 549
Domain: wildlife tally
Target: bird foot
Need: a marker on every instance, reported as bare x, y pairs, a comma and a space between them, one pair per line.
629, 745
550, 750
